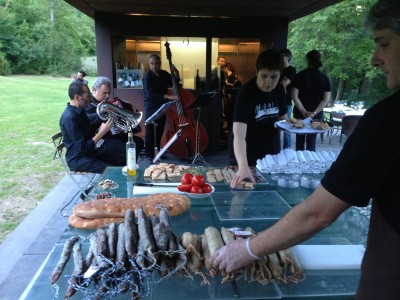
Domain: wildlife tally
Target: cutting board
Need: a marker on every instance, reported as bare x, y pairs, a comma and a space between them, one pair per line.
329, 257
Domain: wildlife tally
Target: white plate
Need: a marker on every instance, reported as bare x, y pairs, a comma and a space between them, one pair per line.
200, 196
107, 184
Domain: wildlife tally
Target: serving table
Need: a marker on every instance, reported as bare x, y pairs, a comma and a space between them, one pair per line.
258, 208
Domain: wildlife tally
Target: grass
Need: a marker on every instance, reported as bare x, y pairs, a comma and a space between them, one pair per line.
31, 108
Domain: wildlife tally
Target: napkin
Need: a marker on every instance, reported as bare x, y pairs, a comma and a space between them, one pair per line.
282, 161
308, 156
329, 257
300, 156
270, 160
291, 155
314, 156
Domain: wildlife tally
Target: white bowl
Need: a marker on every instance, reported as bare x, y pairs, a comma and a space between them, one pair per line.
200, 196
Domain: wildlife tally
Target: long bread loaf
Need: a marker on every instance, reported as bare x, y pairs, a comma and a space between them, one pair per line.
83, 223
176, 204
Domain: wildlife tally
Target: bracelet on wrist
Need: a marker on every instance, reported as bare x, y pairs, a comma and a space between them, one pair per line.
253, 256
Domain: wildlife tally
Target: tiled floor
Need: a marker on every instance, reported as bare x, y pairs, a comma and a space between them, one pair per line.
26, 248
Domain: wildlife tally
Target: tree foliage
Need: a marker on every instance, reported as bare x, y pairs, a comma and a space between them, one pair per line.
346, 48
31, 43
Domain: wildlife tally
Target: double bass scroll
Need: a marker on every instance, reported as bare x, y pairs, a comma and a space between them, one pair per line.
180, 117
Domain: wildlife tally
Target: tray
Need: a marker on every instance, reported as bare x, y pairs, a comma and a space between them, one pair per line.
288, 126
175, 176
256, 174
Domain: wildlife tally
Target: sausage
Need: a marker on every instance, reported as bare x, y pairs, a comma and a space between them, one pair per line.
65, 255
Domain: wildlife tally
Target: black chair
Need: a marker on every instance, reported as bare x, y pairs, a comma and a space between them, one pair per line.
348, 124
336, 118
59, 147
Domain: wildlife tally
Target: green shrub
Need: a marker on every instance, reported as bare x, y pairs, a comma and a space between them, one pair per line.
4, 65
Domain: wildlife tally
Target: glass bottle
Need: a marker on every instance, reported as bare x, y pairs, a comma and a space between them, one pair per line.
197, 80
131, 155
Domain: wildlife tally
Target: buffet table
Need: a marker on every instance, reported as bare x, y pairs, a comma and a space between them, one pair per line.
331, 277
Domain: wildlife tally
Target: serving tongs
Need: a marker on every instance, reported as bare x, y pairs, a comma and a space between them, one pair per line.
161, 184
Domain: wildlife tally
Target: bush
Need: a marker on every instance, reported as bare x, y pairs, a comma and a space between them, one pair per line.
4, 65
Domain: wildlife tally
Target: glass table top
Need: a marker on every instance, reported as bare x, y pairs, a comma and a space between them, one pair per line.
259, 209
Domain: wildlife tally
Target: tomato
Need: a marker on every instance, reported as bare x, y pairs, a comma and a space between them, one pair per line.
198, 180
195, 189
187, 178
207, 188
184, 187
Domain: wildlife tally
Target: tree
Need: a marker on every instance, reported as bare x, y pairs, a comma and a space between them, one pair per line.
39, 37
338, 33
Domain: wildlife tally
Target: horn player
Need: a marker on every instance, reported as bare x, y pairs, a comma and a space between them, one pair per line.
116, 138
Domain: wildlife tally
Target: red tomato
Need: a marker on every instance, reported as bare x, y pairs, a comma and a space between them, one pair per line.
187, 178
184, 187
207, 188
198, 180
196, 189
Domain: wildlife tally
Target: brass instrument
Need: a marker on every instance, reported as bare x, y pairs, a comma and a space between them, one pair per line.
124, 119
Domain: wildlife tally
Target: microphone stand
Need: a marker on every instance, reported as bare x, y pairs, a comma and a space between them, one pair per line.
158, 114
198, 156
202, 100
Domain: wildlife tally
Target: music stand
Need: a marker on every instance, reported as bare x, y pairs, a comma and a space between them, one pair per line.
158, 114
203, 100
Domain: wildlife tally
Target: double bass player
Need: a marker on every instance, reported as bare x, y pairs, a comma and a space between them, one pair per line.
156, 84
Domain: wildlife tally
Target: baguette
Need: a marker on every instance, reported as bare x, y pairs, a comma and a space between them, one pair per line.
175, 204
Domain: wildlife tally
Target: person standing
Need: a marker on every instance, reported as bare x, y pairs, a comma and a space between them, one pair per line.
232, 86
258, 105
80, 77
157, 85
311, 92
288, 74
218, 76
371, 144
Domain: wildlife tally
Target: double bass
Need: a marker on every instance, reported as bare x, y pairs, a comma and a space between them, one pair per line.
180, 117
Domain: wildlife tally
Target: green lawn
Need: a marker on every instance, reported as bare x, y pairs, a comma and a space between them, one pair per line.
32, 106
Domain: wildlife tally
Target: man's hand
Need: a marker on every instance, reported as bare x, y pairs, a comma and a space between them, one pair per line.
231, 257
105, 127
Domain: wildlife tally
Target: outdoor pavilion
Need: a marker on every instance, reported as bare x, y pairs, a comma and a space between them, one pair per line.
28, 246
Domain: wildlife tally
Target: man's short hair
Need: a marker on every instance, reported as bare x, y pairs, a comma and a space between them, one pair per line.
75, 88
287, 53
270, 59
155, 56
384, 14
99, 81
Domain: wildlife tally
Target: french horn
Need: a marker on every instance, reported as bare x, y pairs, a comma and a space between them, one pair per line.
123, 118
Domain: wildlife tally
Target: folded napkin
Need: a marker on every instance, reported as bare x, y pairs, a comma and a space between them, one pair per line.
300, 156
291, 156
314, 156
270, 160
326, 155
308, 156
282, 161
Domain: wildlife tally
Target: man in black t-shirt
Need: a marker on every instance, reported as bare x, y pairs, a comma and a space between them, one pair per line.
258, 105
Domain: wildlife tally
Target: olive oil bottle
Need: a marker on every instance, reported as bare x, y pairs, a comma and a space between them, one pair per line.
131, 155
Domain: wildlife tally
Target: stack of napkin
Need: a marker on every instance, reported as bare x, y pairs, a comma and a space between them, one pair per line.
291, 161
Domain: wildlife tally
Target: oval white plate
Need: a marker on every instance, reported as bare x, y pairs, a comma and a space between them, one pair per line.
200, 196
